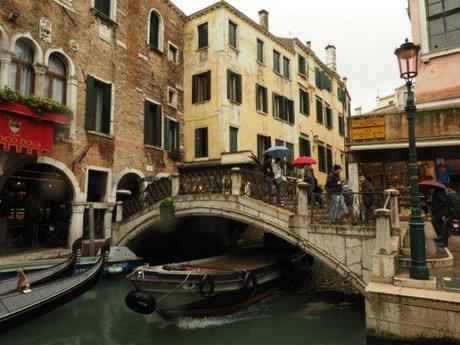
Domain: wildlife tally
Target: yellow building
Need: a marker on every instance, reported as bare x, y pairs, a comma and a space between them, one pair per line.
250, 90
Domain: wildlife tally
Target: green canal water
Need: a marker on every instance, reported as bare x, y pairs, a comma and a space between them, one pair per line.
291, 316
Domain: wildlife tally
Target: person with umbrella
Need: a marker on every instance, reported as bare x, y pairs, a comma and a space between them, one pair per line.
308, 177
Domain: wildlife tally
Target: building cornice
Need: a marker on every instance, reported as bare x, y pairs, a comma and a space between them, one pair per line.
175, 8
241, 15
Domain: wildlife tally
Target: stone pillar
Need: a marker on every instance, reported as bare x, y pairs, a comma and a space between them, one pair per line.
76, 223
394, 208
302, 199
353, 177
108, 220
119, 211
40, 71
383, 239
175, 180
71, 102
236, 181
5, 63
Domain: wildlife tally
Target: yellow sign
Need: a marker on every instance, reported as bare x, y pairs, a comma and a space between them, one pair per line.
366, 128
368, 122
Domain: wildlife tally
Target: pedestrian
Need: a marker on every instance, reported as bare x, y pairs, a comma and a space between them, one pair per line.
279, 178
348, 198
442, 174
439, 210
453, 211
368, 197
334, 187
309, 177
267, 176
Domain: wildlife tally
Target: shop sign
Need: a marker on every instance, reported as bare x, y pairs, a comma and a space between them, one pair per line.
367, 128
18, 134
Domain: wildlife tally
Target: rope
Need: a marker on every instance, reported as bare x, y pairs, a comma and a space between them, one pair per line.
178, 286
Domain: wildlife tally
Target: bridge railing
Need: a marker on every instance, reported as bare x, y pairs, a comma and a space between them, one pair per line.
261, 187
155, 192
347, 208
216, 181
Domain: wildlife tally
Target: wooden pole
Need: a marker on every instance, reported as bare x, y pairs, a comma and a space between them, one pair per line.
91, 229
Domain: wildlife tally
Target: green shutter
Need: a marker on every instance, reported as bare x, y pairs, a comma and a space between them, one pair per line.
106, 108
307, 102
283, 114
154, 30
148, 124
195, 89
197, 143
317, 78
208, 85
205, 141
239, 88
157, 126
167, 133
229, 83
265, 99
233, 139
258, 105
89, 117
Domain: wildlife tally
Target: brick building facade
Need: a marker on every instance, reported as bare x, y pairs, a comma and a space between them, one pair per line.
117, 65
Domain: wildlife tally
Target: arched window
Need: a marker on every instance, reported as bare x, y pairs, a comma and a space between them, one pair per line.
154, 37
56, 79
22, 72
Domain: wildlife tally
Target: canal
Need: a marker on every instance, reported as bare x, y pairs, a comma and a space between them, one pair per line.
295, 315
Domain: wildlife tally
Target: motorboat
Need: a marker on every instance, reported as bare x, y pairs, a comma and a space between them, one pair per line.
36, 278
213, 286
22, 306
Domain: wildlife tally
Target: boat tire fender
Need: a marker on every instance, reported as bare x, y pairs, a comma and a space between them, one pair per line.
250, 283
206, 286
140, 302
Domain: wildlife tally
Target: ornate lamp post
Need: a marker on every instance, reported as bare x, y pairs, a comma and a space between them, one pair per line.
407, 55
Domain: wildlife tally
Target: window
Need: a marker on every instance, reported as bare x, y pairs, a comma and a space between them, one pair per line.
232, 34
98, 105
329, 120
443, 18
55, 79
261, 99
341, 125
304, 99
304, 147
201, 142
260, 51
172, 97
341, 94
104, 7
234, 92
173, 53
153, 124
322, 80
201, 90
290, 158
302, 65
22, 73
233, 139
329, 160
322, 164
171, 134
97, 186
319, 111
203, 35
283, 108
154, 33
286, 67
263, 144
276, 61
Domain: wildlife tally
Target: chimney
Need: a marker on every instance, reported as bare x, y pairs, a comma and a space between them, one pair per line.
330, 57
263, 19
345, 81
358, 111
309, 44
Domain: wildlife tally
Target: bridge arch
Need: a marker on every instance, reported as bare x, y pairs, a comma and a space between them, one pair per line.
268, 218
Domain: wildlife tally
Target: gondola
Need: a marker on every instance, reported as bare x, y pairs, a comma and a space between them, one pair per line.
19, 307
64, 269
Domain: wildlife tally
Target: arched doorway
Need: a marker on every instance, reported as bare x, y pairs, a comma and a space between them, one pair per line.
129, 185
35, 209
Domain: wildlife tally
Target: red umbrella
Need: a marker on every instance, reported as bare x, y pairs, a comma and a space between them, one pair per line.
304, 160
432, 183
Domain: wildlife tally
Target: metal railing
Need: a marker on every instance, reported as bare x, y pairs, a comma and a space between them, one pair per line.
216, 181
33, 236
264, 188
347, 208
154, 193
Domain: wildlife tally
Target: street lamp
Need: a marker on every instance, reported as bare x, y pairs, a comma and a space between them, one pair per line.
407, 55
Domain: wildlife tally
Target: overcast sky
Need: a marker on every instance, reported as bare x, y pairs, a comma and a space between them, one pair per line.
364, 32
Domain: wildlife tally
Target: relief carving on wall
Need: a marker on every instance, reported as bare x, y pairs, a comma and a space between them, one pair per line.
45, 30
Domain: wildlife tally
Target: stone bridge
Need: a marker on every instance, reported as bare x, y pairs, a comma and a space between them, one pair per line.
359, 253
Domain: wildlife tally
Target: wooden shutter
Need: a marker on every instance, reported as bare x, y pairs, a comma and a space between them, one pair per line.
258, 105
265, 99
208, 85
154, 30
291, 115
106, 108
204, 132
197, 143
89, 116
229, 84
195, 89
157, 126
239, 88
282, 114
148, 124
307, 102
317, 78
329, 160
167, 133
233, 139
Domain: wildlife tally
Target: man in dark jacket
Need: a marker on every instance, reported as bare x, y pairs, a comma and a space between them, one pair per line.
309, 177
439, 210
453, 212
334, 187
